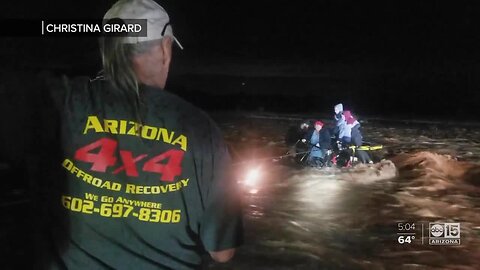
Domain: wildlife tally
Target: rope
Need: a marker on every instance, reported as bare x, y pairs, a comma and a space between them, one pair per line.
270, 158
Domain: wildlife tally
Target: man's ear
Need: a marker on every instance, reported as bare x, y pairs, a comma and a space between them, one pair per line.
167, 50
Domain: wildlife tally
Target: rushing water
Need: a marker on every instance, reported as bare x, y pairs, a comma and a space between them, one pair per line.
305, 218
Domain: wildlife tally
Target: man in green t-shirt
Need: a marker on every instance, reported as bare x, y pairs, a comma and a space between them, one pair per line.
143, 176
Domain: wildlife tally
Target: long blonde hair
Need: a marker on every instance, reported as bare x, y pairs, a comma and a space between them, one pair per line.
117, 65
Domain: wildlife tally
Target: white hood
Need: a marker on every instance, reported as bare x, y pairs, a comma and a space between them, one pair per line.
338, 108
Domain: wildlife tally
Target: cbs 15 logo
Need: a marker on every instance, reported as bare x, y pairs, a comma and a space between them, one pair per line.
444, 233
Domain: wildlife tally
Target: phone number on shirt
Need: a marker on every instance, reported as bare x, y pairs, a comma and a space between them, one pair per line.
118, 210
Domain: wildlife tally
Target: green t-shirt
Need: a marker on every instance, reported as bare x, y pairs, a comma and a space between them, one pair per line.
146, 190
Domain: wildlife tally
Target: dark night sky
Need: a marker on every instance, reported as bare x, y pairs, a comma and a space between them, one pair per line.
317, 31
367, 46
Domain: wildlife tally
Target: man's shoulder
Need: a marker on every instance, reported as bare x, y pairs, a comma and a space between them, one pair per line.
61, 87
184, 112
63, 80
62, 84
309, 133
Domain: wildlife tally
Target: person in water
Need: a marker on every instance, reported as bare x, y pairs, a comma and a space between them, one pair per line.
121, 195
356, 137
294, 135
319, 142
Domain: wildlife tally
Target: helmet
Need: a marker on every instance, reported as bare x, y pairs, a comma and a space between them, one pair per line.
304, 125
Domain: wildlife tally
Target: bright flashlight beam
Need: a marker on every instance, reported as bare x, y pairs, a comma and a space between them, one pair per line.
252, 177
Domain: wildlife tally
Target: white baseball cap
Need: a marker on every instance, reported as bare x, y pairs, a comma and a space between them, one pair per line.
158, 21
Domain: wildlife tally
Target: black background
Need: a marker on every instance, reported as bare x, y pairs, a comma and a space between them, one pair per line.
415, 59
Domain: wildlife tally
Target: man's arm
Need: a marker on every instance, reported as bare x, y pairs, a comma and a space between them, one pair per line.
221, 227
222, 256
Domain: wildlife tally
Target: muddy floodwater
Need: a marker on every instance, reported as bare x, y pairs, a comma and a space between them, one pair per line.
367, 217
374, 216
